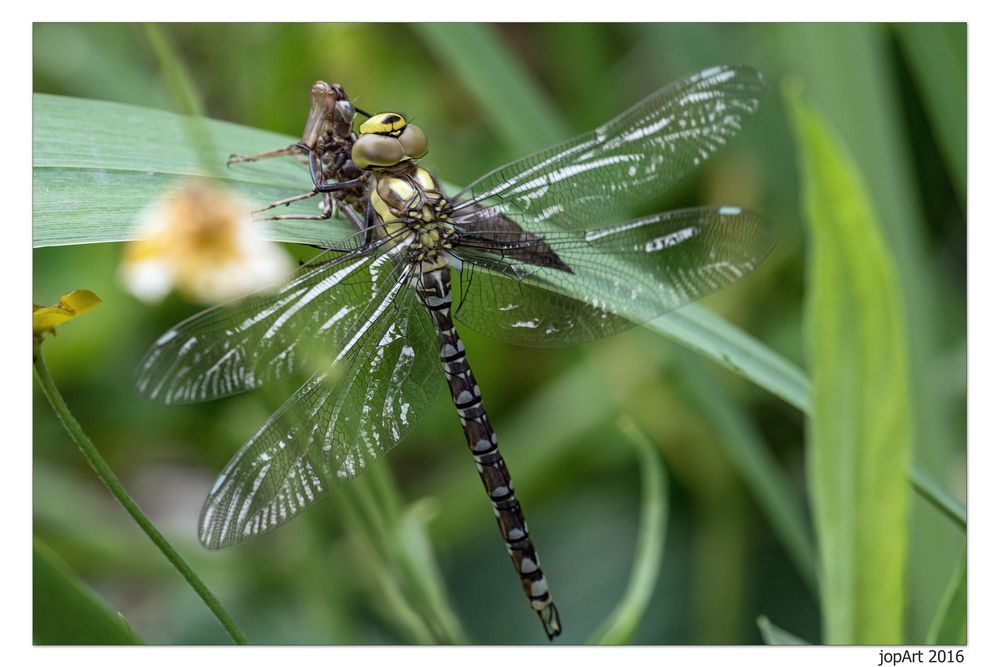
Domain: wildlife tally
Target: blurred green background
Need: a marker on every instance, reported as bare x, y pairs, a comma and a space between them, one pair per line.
890, 91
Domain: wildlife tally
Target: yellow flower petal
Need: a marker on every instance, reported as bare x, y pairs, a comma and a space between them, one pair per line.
80, 301
46, 318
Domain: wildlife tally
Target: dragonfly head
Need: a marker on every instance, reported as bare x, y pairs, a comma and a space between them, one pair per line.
386, 140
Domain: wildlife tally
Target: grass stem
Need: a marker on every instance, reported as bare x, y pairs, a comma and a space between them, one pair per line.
111, 480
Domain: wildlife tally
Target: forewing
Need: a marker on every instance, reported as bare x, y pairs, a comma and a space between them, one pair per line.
608, 279
601, 176
238, 346
332, 427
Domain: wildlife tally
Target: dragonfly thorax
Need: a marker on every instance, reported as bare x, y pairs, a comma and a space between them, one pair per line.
411, 209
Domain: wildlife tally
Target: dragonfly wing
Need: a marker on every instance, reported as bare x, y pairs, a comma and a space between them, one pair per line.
602, 175
238, 346
331, 428
590, 284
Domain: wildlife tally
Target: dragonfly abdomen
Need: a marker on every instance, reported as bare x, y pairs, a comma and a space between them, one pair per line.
434, 290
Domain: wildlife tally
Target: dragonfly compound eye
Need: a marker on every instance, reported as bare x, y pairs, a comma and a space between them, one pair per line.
377, 150
414, 142
385, 140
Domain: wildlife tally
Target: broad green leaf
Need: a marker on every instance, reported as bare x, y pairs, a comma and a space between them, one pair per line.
859, 436
775, 636
67, 611
936, 53
90, 184
620, 626
949, 624
97, 165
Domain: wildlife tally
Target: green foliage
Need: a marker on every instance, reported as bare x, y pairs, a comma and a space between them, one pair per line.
67, 611
743, 444
507, 97
775, 636
620, 626
400, 558
949, 624
938, 496
936, 52
859, 436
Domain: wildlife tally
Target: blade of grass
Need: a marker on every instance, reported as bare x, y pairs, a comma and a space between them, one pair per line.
775, 636
936, 53
859, 436
702, 331
111, 480
748, 453
396, 551
851, 73
937, 496
620, 625
371, 541
423, 572
949, 625
66, 611
507, 96
184, 95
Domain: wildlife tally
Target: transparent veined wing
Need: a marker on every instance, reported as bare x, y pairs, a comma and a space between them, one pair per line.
601, 176
606, 280
332, 427
240, 345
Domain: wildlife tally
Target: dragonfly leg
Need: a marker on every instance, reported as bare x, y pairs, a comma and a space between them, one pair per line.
286, 202
434, 290
294, 149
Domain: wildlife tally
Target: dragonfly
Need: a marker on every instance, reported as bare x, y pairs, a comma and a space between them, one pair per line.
537, 252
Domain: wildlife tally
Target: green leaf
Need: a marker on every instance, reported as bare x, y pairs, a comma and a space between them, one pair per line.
775, 636
936, 53
620, 626
859, 436
851, 71
949, 624
97, 165
67, 611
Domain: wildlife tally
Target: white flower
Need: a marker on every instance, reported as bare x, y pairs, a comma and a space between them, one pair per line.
200, 239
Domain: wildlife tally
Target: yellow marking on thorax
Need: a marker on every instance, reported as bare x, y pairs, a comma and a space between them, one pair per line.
381, 208
424, 178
